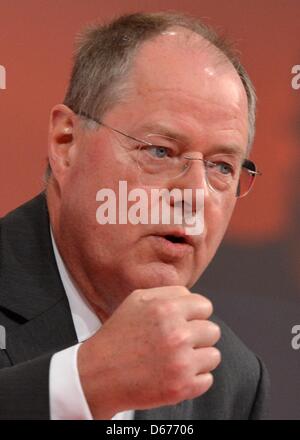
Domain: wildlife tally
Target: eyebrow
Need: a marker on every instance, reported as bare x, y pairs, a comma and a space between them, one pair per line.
164, 130
230, 150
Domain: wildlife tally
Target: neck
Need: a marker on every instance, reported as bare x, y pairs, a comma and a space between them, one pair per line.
71, 257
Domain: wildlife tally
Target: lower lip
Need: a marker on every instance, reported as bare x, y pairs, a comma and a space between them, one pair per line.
170, 249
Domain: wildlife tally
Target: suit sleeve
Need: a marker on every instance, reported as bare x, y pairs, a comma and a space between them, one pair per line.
260, 408
24, 390
47, 387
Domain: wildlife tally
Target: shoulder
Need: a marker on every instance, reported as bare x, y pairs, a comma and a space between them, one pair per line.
20, 228
24, 214
238, 360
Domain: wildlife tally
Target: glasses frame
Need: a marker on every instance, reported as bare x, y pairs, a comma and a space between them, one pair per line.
247, 164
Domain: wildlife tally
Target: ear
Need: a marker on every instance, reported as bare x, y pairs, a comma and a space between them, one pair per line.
61, 140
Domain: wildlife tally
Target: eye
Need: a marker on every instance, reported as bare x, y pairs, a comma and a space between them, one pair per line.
158, 152
222, 167
225, 168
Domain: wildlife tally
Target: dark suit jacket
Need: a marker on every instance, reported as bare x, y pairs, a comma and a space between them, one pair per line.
36, 314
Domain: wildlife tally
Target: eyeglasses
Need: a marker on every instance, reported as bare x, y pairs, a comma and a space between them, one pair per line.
159, 163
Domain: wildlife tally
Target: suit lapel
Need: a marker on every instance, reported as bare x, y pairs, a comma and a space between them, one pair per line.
49, 332
31, 290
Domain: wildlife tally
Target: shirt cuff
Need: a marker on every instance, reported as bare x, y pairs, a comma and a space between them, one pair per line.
67, 400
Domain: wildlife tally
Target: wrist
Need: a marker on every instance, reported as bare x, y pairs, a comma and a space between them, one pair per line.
96, 382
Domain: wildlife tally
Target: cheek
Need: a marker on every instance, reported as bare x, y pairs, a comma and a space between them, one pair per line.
217, 217
94, 169
99, 172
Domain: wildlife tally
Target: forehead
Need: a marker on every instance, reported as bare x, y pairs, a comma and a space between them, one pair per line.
185, 83
181, 61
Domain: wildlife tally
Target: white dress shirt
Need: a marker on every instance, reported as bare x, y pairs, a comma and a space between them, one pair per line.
67, 399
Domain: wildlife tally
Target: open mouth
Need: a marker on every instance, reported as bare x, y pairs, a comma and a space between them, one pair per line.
175, 239
174, 246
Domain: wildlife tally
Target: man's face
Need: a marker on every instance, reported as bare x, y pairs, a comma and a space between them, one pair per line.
179, 90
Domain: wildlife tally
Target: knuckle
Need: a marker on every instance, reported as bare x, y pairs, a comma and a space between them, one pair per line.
156, 310
164, 309
178, 368
177, 338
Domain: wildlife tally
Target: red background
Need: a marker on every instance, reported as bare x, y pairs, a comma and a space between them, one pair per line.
36, 44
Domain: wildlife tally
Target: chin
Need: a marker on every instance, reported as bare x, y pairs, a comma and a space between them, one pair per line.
159, 275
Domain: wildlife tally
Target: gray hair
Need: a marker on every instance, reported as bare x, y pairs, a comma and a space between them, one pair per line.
105, 55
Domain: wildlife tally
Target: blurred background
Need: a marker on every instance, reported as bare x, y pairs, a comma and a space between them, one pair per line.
254, 281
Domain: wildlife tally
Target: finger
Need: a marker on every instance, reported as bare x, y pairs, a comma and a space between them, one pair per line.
200, 385
165, 292
206, 359
195, 306
203, 333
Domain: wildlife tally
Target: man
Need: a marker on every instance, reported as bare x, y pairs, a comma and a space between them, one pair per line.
156, 101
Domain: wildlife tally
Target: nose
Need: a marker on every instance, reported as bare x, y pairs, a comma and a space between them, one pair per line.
194, 179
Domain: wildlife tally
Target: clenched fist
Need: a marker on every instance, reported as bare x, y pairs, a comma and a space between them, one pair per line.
156, 349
